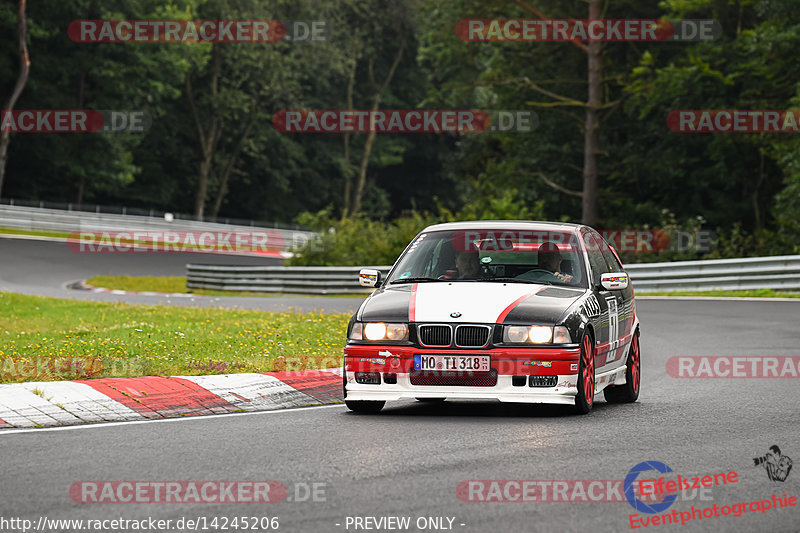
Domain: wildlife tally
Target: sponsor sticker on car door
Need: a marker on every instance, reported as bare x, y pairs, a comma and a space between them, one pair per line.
613, 328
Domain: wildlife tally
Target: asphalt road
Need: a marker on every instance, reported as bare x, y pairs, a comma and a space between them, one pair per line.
47, 268
408, 460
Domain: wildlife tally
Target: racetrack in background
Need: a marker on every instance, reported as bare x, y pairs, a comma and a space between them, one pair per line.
45, 268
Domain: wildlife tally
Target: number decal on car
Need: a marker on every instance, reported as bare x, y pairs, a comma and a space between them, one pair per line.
613, 329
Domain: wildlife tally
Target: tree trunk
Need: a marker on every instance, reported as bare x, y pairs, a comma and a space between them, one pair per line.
759, 222
379, 91
590, 146
223, 186
82, 179
202, 187
208, 138
347, 170
362, 171
25, 68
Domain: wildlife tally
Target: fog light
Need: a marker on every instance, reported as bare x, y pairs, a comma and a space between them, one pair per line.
390, 378
519, 381
368, 378
543, 381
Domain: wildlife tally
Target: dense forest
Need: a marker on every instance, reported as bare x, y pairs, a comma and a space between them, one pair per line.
212, 149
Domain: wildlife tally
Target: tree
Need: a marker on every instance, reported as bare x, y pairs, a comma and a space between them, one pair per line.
25, 66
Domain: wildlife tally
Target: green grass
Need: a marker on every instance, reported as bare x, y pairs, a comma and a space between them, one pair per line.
35, 233
758, 293
177, 284
49, 339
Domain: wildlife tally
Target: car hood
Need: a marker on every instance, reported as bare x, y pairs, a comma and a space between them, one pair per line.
469, 302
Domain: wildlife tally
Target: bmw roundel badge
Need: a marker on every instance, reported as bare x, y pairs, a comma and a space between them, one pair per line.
455, 314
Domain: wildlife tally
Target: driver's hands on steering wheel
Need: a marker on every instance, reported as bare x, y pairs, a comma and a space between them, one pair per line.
566, 278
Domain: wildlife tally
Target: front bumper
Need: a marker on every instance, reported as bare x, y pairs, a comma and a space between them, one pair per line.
397, 361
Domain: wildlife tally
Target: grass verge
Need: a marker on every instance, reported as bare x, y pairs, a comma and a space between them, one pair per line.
173, 284
34, 233
43, 339
758, 293
177, 284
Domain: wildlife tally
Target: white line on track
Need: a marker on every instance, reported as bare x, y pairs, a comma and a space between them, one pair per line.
4, 432
718, 298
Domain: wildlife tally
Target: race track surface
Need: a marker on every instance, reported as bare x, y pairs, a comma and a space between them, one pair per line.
46, 268
409, 460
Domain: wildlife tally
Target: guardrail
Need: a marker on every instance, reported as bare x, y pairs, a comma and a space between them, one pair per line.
59, 220
782, 272
138, 211
778, 272
298, 280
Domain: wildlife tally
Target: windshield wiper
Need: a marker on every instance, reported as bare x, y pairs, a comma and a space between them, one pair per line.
412, 280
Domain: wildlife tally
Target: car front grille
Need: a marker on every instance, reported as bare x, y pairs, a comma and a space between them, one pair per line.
472, 336
435, 335
433, 378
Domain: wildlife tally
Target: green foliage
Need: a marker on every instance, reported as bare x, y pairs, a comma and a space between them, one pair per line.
361, 242
356, 241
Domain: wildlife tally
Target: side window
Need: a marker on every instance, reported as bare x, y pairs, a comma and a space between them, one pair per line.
594, 246
611, 259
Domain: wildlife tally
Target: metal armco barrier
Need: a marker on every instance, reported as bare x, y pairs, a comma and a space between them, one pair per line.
779, 272
782, 272
59, 220
299, 280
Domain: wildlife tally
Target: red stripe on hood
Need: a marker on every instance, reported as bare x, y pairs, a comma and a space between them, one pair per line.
515, 303
412, 303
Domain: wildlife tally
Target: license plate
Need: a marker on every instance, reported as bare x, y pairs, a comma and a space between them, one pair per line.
454, 363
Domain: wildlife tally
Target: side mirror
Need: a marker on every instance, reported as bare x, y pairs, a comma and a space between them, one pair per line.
369, 277
614, 281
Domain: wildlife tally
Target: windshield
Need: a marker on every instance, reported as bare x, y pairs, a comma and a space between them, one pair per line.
513, 256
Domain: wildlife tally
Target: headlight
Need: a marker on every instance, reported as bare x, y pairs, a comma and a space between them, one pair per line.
536, 334
540, 334
375, 331
379, 331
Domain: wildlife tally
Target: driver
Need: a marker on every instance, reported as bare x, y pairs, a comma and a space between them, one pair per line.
467, 264
549, 266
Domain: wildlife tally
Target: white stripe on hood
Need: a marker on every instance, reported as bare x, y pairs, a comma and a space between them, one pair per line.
477, 302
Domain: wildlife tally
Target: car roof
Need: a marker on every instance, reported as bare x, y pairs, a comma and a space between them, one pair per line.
506, 225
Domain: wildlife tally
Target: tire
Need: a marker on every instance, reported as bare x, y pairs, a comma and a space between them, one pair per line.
430, 400
629, 392
586, 378
365, 407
